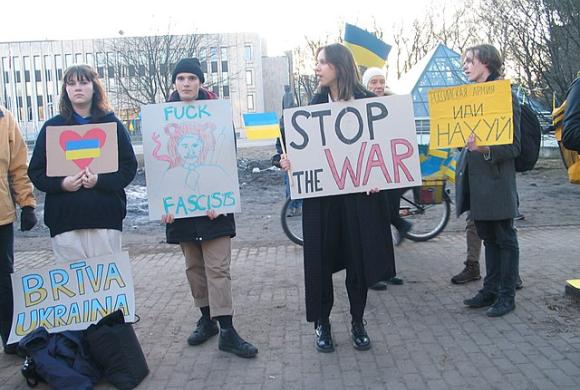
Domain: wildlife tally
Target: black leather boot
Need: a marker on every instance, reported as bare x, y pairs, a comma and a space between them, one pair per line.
360, 338
230, 341
323, 338
481, 299
205, 329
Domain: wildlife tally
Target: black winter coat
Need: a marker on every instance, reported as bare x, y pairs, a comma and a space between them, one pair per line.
199, 228
102, 207
372, 226
571, 126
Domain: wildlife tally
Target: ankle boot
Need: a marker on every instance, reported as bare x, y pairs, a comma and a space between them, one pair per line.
230, 341
323, 338
360, 338
205, 329
469, 273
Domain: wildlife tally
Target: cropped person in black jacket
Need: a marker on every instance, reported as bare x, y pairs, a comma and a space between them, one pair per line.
206, 244
84, 212
349, 231
571, 126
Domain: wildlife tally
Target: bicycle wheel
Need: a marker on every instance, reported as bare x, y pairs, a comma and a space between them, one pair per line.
292, 221
428, 219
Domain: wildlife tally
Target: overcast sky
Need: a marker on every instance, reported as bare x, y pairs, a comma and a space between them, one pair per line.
283, 23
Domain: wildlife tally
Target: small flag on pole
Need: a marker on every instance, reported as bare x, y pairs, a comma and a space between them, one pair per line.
367, 49
261, 125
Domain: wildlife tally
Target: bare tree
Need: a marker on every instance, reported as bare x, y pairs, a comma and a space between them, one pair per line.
541, 38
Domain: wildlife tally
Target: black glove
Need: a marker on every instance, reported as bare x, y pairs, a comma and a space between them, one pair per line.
27, 218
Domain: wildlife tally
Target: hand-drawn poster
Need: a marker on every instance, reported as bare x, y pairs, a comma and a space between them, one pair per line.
70, 149
73, 295
190, 158
482, 109
355, 146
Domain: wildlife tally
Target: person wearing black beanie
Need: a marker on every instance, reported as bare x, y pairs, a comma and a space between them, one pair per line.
206, 243
188, 65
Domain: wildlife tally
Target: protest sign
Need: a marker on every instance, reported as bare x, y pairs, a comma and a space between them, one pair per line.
70, 149
355, 146
190, 158
73, 295
482, 109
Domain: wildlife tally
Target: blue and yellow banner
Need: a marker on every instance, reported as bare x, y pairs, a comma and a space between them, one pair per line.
262, 125
82, 148
437, 163
366, 48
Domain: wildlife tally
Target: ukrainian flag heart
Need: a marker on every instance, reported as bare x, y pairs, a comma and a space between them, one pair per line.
82, 149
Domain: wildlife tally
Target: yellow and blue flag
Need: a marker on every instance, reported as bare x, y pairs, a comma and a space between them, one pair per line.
367, 49
83, 148
263, 125
437, 163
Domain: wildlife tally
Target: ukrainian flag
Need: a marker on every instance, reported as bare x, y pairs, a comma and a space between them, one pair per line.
261, 125
367, 49
83, 148
437, 163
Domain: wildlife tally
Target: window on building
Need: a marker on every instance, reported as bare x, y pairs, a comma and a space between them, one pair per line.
249, 77
29, 108
214, 67
37, 68
79, 58
132, 71
16, 67
213, 54
203, 54
248, 52
224, 66
226, 91
101, 64
47, 68
6, 67
223, 53
68, 60
58, 62
40, 105
111, 65
225, 79
250, 102
216, 89
91, 59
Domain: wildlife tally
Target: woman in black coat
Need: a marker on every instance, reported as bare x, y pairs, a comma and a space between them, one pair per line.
349, 231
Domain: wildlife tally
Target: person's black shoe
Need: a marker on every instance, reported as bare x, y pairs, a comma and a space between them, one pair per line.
481, 299
396, 281
379, 286
205, 329
230, 341
360, 338
403, 229
11, 349
501, 307
519, 283
323, 338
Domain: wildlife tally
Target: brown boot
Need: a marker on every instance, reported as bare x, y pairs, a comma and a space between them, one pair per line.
469, 274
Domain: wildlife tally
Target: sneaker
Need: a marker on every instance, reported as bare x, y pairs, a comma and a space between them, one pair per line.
501, 307
481, 299
470, 273
230, 341
204, 330
360, 338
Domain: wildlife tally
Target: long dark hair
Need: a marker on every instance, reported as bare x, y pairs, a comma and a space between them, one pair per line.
489, 56
347, 74
100, 104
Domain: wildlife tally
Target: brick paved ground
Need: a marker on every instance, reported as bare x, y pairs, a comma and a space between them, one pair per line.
423, 337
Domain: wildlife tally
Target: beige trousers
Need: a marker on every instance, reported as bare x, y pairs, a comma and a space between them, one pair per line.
207, 266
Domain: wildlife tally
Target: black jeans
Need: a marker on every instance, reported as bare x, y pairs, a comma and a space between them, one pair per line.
6, 268
502, 256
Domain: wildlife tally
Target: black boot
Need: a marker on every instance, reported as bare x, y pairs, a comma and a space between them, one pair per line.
381, 285
323, 338
230, 341
205, 329
481, 299
502, 306
360, 338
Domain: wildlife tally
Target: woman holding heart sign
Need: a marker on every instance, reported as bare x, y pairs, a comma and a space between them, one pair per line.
83, 211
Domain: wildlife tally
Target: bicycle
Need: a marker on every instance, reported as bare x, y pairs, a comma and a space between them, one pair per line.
427, 207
